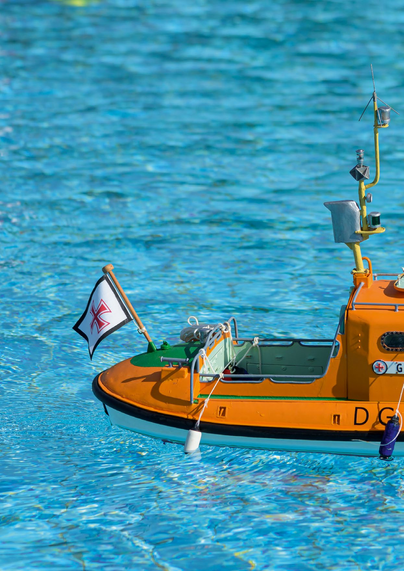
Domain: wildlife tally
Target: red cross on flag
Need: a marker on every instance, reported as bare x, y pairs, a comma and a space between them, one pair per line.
104, 314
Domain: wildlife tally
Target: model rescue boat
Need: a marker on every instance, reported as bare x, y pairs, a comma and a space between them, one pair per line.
329, 395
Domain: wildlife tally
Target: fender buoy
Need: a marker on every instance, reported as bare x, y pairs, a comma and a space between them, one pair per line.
390, 435
192, 442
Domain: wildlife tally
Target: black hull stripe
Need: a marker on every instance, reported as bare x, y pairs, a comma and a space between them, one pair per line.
230, 430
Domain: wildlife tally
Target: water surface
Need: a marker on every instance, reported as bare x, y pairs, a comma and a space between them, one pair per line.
192, 145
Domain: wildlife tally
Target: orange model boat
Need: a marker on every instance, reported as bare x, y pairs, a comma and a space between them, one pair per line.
333, 395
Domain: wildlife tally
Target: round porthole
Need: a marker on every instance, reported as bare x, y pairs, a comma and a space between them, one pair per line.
393, 341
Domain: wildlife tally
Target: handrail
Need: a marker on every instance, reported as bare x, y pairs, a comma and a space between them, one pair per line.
290, 340
232, 318
356, 295
382, 274
395, 305
262, 376
171, 361
194, 361
374, 303
202, 351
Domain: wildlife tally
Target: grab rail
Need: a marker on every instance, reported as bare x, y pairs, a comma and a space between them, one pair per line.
395, 305
171, 361
286, 341
356, 295
253, 377
377, 275
373, 303
235, 326
390, 275
212, 337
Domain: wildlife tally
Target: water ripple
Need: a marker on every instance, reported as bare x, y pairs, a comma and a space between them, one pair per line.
192, 145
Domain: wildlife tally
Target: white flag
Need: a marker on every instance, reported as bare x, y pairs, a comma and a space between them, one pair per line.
104, 314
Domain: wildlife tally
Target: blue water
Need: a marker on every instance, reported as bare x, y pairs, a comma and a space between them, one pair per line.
192, 145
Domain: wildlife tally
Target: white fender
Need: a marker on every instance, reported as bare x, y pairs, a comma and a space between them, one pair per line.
192, 442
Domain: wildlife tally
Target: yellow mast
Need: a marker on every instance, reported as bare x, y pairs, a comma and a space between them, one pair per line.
353, 225
381, 120
362, 187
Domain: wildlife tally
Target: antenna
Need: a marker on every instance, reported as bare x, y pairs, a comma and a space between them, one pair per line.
373, 78
375, 98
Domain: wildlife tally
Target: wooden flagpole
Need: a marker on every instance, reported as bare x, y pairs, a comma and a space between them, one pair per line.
142, 329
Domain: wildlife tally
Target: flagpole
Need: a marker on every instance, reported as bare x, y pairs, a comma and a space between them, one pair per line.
142, 329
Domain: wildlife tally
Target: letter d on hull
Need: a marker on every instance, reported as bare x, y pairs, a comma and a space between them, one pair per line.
361, 415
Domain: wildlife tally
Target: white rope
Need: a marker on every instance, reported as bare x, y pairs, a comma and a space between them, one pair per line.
223, 328
399, 400
204, 356
255, 343
221, 375
205, 404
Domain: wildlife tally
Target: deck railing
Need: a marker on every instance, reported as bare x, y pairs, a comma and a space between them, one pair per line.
373, 304
216, 333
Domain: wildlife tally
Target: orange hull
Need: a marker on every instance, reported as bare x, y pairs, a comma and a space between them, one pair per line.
345, 401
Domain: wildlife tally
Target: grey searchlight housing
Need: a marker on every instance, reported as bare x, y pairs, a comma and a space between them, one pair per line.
345, 215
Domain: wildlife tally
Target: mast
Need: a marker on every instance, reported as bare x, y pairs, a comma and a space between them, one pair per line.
351, 224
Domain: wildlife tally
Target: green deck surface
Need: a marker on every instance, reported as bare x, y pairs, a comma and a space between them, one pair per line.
183, 351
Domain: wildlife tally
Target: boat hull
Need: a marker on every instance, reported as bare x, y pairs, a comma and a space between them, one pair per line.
175, 429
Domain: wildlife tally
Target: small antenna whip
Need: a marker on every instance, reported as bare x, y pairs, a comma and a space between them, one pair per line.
375, 98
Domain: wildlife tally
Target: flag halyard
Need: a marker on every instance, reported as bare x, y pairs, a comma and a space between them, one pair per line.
104, 314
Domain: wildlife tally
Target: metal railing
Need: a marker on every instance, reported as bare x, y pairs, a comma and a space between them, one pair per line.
390, 275
255, 379
211, 339
373, 303
172, 361
286, 341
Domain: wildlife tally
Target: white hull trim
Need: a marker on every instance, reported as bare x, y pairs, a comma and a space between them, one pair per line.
178, 435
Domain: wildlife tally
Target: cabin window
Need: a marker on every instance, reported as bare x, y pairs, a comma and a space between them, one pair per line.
393, 341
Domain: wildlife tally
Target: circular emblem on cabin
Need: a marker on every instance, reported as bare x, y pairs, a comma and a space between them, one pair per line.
379, 367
